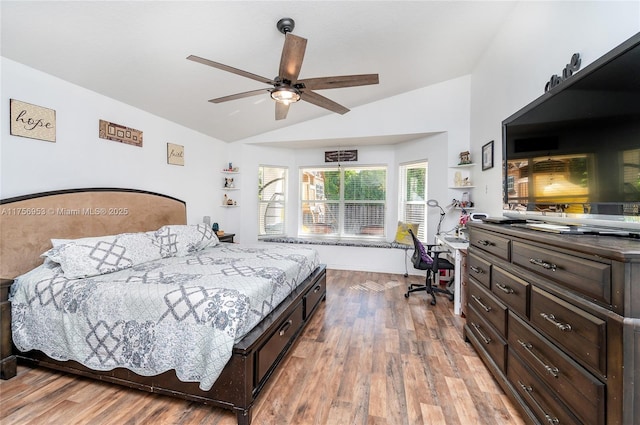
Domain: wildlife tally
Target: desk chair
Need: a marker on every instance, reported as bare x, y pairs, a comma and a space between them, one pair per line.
427, 258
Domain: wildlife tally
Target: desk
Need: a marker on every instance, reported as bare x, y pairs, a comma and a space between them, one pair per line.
457, 247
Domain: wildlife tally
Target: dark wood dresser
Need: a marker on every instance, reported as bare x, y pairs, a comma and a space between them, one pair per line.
556, 319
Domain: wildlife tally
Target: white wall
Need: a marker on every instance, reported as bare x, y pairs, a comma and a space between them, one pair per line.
79, 158
535, 43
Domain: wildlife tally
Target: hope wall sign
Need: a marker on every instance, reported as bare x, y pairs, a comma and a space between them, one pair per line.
32, 121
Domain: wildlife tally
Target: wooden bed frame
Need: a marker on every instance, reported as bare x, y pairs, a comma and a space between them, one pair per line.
28, 223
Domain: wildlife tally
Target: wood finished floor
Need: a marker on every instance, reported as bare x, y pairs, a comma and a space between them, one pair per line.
369, 356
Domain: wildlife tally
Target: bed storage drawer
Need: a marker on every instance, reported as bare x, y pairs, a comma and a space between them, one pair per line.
491, 243
579, 389
583, 335
486, 335
313, 296
278, 341
511, 290
590, 278
547, 407
488, 307
479, 269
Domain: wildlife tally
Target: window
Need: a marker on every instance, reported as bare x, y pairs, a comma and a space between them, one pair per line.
343, 201
272, 184
413, 195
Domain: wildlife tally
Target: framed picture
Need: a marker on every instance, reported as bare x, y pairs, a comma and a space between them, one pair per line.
175, 154
487, 156
32, 121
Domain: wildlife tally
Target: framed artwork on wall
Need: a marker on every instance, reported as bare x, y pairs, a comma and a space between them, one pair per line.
487, 156
32, 121
175, 154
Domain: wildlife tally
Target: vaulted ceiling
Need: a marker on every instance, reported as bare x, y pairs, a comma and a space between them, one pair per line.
135, 51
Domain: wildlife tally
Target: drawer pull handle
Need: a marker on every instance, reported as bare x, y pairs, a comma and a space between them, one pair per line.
476, 270
504, 288
542, 263
285, 327
483, 305
550, 419
551, 370
484, 242
485, 339
564, 327
317, 289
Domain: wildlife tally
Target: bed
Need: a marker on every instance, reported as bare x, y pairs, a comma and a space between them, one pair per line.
192, 272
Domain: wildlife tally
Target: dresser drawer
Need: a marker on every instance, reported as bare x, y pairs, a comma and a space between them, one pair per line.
488, 306
277, 342
491, 243
581, 334
543, 402
313, 297
489, 340
479, 269
579, 389
512, 290
587, 277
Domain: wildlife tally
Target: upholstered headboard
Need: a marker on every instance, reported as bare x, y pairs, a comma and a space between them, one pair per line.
28, 223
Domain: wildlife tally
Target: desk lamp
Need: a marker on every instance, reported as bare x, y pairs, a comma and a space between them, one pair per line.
434, 203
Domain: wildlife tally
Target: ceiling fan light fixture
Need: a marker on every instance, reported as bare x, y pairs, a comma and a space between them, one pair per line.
286, 95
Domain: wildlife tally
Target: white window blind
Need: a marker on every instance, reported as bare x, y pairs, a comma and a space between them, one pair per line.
413, 195
272, 184
343, 202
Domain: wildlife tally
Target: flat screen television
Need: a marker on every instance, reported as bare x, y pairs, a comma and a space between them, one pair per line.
572, 156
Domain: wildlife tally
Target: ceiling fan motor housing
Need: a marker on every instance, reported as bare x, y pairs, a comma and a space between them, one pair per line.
285, 25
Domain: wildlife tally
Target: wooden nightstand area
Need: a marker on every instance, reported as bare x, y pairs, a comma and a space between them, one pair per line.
227, 237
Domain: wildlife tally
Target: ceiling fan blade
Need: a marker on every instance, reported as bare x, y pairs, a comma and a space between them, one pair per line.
281, 110
292, 56
230, 69
323, 102
339, 81
238, 95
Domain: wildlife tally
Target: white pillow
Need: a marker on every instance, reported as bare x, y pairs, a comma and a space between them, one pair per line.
180, 240
86, 257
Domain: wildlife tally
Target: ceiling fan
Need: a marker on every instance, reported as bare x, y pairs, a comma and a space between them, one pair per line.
287, 89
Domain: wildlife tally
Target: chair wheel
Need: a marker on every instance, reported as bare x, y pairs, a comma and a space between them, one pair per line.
406, 295
451, 297
433, 302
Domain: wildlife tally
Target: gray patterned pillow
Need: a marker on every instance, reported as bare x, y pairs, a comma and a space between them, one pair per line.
86, 257
180, 240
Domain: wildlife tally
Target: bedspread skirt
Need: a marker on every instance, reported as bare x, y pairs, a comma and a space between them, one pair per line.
180, 313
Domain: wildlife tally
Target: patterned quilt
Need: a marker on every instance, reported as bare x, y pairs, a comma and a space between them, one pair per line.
182, 313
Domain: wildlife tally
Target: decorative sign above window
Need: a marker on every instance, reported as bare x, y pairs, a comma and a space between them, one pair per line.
569, 69
120, 133
341, 156
34, 122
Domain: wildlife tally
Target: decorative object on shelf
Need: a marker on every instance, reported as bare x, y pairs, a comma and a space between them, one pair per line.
569, 69
455, 203
457, 179
32, 121
435, 204
175, 154
487, 156
215, 227
465, 158
119, 133
228, 182
341, 156
231, 169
